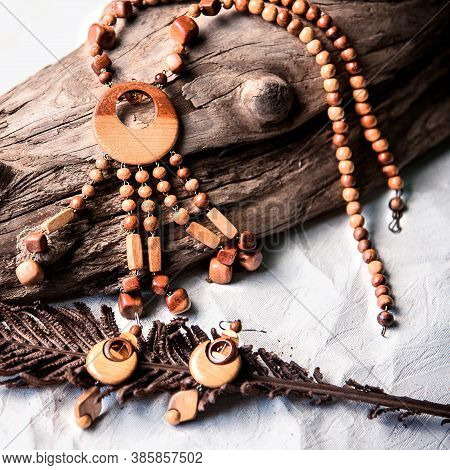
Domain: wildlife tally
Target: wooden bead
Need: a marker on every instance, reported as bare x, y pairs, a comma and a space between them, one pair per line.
123, 9
385, 318
126, 190
201, 200
364, 245
77, 203
247, 241
350, 194
332, 33
300, 7
323, 58
353, 67
356, 220
385, 158
130, 283
353, 207
178, 301
396, 204
363, 108
370, 255
101, 62
269, 13
341, 42
340, 127
361, 95
134, 252
154, 254
380, 145
105, 77
163, 186
328, 71
227, 255
160, 78
378, 279
191, 185
220, 273
159, 172
344, 153
314, 46
160, 284
36, 242
170, 200
313, 13
123, 174
194, 10
375, 267
101, 163
181, 216
58, 221
184, 30
306, 34
136, 330
369, 121
130, 303
150, 223
128, 205
102, 35
29, 273
203, 235
334, 98
175, 62
346, 167
348, 181
250, 261
145, 191
241, 5
283, 18
348, 54
109, 19
222, 223
236, 326
148, 205
96, 175
210, 7
358, 82
294, 27
95, 50
339, 140
183, 173
395, 182
390, 170
141, 176
176, 159
336, 113
371, 135
385, 301
130, 222
227, 4
324, 22
382, 290
360, 233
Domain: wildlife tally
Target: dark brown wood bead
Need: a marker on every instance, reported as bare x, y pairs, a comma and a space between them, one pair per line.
396, 204
236, 326
95, 50
227, 255
77, 203
183, 173
105, 77
122, 9
36, 242
184, 30
283, 18
294, 27
378, 280
324, 22
136, 330
332, 33
360, 233
250, 261
385, 318
201, 200
210, 7
130, 304
364, 245
220, 273
161, 78
247, 241
178, 301
370, 255
341, 42
160, 284
390, 170
382, 290
313, 13
353, 68
102, 35
339, 140
130, 283
101, 62
385, 158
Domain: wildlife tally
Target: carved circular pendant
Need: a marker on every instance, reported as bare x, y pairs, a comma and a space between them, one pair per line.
135, 146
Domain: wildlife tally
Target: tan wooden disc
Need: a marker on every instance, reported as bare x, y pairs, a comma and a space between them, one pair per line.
212, 375
135, 146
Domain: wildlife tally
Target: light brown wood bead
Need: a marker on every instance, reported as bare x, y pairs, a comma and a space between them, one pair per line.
148, 205
159, 172
227, 255
300, 7
128, 205
241, 5
88, 190
181, 216
369, 121
380, 145
203, 235
375, 267
361, 95
105, 77
250, 261
336, 113
294, 27
109, 19
101, 163
390, 170
178, 301
194, 10
170, 200
382, 290
182, 407
130, 222
396, 183
313, 13
36, 242
363, 108
30, 273
126, 190
340, 140
357, 82
348, 181
324, 22
328, 71
385, 158
134, 252
210, 7
323, 58
154, 254
341, 42
201, 200
141, 176
385, 301
220, 273
371, 135
101, 63
77, 203
145, 191
356, 220
340, 127
209, 374
334, 98
269, 13
346, 167
160, 284
176, 159
353, 207
175, 63
306, 35
102, 35
105, 370
150, 223
58, 220
348, 55
183, 173
123, 174
122, 9
184, 30
350, 194
227, 4
163, 186
378, 279
314, 46
396, 204
191, 185
222, 223
96, 175
87, 407
130, 283
95, 50
343, 153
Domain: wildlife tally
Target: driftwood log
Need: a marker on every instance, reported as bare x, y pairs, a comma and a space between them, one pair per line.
254, 129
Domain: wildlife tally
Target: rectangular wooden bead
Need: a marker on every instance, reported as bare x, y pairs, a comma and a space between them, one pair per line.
222, 223
154, 254
203, 235
134, 252
57, 221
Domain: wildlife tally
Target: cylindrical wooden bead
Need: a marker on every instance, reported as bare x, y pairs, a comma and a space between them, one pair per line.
122, 9
154, 254
135, 258
375, 267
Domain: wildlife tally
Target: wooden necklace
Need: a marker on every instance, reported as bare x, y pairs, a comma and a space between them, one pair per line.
136, 149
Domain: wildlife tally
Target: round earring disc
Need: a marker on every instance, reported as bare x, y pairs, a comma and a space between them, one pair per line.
135, 146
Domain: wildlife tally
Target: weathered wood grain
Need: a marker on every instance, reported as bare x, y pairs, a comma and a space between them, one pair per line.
253, 120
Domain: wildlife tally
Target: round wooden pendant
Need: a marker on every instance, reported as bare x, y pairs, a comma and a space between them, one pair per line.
135, 146
209, 374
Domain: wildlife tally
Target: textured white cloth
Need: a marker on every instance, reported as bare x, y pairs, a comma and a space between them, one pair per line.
315, 300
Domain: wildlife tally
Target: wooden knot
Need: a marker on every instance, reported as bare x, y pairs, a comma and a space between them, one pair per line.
267, 99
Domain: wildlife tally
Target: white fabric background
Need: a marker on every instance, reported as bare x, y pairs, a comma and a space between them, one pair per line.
314, 298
